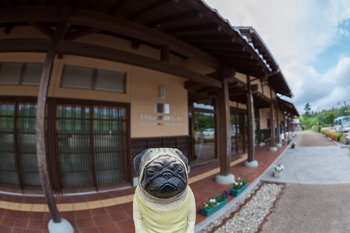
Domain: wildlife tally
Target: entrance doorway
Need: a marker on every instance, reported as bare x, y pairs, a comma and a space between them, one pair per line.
203, 134
238, 133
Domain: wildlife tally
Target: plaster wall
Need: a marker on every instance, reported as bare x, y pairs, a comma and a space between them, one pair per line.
142, 93
241, 77
145, 121
264, 116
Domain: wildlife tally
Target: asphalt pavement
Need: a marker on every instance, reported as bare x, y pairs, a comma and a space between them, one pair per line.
316, 197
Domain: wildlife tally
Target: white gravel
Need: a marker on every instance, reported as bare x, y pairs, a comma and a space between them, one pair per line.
252, 214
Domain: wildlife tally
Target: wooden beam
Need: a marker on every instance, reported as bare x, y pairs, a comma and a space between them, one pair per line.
8, 29
43, 29
210, 39
164, 53
222, 47
8, 3
163, 22
190, 84
106, 22
152, 8
117, 6
120, 25
24, 45
81, 33
203, 29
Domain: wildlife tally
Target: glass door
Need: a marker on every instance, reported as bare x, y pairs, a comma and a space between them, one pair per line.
203, 137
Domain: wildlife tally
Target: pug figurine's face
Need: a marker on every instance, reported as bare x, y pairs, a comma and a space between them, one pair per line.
164, 176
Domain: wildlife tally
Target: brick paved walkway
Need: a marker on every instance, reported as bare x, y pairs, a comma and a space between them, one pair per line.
112, 211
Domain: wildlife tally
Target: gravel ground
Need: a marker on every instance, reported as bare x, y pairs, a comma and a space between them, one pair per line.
311, 208
255, 206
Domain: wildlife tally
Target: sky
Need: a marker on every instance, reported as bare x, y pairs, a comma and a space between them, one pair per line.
310, 40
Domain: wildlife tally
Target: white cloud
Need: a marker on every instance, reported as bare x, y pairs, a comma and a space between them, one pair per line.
325, 90
296, 32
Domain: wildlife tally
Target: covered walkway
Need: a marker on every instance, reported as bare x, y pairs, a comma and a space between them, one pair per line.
112, 211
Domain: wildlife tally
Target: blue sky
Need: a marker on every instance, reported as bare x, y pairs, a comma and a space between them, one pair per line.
310, 40
330, 56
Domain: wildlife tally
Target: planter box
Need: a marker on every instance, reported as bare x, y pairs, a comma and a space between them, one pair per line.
277, 173
236, 192
207, 212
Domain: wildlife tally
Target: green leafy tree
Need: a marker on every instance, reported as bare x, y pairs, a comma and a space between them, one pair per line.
307, 110
329, 117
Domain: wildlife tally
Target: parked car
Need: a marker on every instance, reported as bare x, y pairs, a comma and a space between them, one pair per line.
209, 132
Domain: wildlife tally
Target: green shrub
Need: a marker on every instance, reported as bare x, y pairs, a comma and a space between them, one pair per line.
317, 128
325, 132
337, 135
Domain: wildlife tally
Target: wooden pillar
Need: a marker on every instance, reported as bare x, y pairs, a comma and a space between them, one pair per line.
224, 134
273, 135
40, 122
278, 138
251, 125
251, 117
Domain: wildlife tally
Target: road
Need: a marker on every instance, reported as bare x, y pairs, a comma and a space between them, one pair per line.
317, 193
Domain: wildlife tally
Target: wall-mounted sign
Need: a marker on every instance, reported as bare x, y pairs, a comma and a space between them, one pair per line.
160, 120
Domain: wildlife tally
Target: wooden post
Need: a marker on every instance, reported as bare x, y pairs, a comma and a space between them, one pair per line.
251, 123
251, 120
40, 122
278, 138
273, 137
224, 134
224, 129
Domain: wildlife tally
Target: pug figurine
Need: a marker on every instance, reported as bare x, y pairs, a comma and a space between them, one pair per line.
163, 200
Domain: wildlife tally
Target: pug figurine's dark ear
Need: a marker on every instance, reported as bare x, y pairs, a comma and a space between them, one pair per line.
137, 160
182, 157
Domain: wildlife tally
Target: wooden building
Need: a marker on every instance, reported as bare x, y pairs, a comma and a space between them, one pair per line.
99, 81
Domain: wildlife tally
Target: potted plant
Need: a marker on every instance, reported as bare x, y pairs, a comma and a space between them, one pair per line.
212, 205
278, 170
239, 186
293, 145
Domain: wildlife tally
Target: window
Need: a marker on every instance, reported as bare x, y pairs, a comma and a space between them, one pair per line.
91, 145
93, 79
87, 144
13, 73
18, 163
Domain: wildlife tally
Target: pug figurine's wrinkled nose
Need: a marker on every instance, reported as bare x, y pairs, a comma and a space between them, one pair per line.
167, 175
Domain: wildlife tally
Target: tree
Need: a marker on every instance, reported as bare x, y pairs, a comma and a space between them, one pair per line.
329, 117
307, 111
